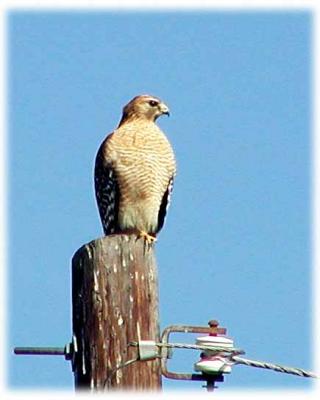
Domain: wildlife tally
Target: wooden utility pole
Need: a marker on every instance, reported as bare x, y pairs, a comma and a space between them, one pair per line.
115, 302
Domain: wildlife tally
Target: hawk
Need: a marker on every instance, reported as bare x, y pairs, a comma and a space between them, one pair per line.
134, 171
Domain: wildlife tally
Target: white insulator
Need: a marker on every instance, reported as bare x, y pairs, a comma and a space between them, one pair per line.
216, 341
213, 365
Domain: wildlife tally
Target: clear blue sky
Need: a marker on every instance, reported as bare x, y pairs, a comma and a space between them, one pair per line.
237, 245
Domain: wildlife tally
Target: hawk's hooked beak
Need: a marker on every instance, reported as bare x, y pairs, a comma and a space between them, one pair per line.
164, 109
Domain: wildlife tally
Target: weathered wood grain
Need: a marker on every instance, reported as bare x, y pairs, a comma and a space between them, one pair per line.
115, 301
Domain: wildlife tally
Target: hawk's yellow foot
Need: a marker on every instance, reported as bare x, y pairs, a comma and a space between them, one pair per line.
148, 238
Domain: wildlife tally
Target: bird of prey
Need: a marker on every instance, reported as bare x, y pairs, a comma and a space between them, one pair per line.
134, 172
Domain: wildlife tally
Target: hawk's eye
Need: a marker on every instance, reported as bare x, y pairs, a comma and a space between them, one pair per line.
153, 103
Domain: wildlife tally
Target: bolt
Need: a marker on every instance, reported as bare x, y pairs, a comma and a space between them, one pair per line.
214, 326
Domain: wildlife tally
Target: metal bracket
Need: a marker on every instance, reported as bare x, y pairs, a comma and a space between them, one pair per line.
213, 330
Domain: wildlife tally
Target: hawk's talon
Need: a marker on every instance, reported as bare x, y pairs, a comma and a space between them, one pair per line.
149, 239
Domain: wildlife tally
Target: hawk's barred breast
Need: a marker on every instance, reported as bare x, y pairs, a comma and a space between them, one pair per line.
144, 164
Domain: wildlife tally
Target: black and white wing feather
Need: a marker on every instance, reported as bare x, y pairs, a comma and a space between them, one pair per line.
165, 205
107, 193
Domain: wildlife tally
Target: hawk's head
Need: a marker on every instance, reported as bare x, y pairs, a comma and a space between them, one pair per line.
144, 106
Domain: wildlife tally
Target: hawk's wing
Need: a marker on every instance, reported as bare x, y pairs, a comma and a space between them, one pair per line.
107, 193
165, 205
